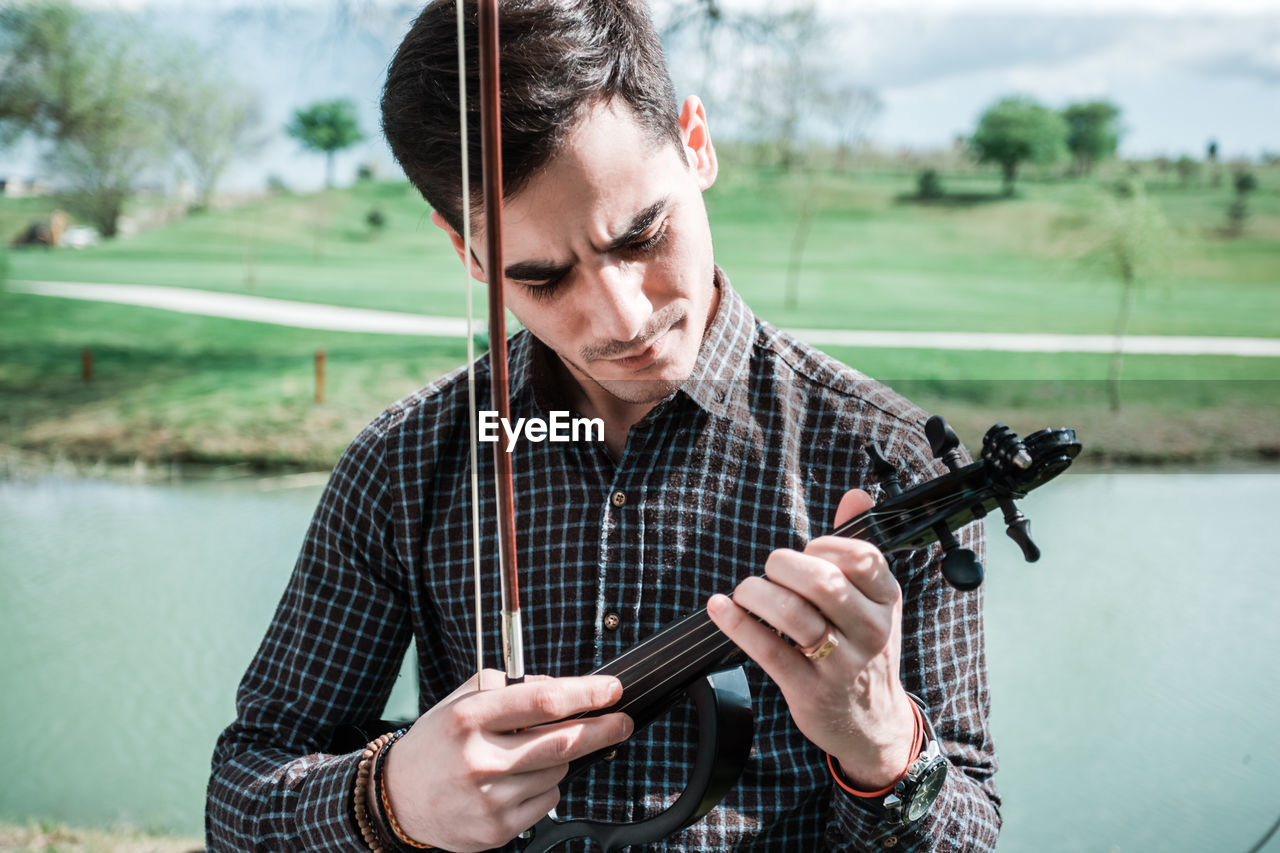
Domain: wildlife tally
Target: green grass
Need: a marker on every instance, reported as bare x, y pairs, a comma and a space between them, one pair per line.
874, 261
178, 387
170, 387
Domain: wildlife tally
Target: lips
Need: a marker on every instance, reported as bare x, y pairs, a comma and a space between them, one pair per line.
642, 359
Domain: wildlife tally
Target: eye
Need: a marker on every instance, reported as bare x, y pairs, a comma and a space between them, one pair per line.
546, 290
650, 243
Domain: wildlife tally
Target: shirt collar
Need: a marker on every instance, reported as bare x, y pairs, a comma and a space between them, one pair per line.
723, 358
725, 355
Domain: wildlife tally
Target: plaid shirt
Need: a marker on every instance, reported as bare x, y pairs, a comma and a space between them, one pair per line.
752, 454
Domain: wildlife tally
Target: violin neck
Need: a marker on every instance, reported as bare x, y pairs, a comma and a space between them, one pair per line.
654, 673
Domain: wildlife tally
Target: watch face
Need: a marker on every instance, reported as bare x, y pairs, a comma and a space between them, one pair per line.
927, 791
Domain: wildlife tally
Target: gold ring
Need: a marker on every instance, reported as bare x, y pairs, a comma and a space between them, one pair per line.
823, 647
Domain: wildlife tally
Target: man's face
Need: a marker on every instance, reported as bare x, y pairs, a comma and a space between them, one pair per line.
608, 254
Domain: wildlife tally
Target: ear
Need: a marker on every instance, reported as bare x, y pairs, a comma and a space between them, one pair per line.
698, 149
459, 246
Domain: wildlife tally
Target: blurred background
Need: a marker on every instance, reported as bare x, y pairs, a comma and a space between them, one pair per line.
1062, 213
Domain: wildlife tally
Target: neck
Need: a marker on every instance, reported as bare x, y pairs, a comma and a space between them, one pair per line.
619, 416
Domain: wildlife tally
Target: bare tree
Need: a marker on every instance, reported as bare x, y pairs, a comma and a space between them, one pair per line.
209, 117
1128, 236
849, 110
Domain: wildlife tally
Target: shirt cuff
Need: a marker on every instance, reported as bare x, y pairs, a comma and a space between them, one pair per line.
326, 810
962, 818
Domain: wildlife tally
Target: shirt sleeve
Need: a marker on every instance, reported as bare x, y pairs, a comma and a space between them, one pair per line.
329, 658
944, 663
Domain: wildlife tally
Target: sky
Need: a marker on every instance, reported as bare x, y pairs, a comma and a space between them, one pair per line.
1183, 71
1181, 79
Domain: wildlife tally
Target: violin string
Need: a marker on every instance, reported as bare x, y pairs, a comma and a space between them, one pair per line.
478, 591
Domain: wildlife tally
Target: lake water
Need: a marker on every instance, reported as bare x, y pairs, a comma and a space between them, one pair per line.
1133, 669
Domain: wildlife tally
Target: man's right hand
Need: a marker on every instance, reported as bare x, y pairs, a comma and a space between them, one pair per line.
483, 766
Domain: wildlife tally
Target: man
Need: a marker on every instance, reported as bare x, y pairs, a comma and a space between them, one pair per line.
726, 446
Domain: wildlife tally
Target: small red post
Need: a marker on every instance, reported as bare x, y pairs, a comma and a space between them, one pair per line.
320, 358
86, 364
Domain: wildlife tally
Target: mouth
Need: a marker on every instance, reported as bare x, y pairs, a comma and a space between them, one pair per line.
642, 359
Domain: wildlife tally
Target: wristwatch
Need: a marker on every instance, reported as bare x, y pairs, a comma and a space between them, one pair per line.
915, 792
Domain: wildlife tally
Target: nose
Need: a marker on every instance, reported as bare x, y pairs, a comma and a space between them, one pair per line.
619, 306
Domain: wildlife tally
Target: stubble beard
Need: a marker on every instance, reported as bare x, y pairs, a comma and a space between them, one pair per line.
636, 391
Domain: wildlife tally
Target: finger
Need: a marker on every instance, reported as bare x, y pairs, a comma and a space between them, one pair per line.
488, 678
513, 788
518, 802
557, 744
520, 706
783, 606
861, 563
855, 502
532, 810
776, 656
865, 621
821, 584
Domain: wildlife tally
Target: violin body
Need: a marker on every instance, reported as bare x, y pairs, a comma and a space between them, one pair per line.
725, 730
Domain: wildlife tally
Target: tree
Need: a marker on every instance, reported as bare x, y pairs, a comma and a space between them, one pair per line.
327, 126
785, 84
1127, 237
1018, 129
208, 117
1187, 168
1245, 182
848, 109
1093, 133
83, 85
709, 43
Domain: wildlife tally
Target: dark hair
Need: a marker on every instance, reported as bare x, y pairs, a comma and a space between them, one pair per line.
558, 59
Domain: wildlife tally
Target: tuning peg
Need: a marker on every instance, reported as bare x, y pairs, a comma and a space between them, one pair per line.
1019, 530
943, 441
883, 470
1001, 446
960, 566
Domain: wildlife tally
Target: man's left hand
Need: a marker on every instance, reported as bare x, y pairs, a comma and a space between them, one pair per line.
851, 702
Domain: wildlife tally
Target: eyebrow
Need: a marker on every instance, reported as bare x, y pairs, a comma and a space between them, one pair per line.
551, 270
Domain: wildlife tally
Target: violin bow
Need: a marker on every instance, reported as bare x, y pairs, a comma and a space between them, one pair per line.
491, 179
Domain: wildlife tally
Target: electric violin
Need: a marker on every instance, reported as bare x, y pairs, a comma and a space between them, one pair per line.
692, 658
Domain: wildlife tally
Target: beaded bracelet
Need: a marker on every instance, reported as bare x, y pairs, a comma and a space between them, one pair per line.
917, 743
386, 817
372, 839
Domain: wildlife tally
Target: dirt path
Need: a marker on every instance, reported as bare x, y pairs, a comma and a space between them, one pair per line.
309, 315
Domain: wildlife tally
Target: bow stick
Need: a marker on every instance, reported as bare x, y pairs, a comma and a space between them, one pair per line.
491, 178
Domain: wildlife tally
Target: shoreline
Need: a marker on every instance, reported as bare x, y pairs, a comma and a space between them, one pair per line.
20, 465
43, 836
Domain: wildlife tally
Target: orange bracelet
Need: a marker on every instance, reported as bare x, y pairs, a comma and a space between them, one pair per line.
400, 834
917, 743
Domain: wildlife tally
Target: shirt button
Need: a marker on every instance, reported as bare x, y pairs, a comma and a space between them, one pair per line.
610, 755
619, 498
612, 621
891, 841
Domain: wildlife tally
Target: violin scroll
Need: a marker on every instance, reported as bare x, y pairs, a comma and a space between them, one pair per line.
1008, 467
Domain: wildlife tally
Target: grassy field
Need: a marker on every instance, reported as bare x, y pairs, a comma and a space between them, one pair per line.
172, 388
52, 838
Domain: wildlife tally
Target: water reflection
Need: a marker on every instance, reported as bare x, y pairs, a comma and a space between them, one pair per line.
1132, 672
